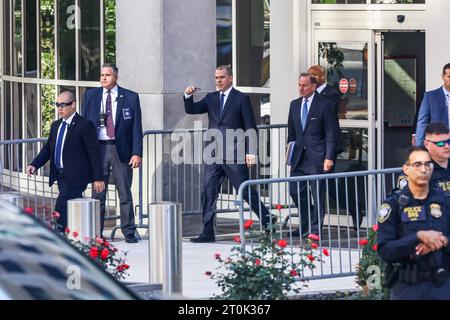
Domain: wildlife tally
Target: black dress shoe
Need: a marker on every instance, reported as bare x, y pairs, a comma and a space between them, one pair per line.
131, 239
204, 239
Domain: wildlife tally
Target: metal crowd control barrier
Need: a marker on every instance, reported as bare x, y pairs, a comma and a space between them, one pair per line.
165, 247
350, 203
182, 183
83, 216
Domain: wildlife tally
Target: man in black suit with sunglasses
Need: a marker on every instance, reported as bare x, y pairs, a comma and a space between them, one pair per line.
74, 154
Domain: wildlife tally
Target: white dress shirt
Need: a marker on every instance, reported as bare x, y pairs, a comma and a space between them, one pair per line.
68, 121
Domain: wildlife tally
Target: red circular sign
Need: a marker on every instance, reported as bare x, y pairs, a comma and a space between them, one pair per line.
343, 85
353, 85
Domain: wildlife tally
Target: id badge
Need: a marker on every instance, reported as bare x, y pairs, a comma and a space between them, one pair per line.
127, 115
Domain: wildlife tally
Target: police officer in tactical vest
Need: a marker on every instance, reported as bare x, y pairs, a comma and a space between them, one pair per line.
437, 140
413, 234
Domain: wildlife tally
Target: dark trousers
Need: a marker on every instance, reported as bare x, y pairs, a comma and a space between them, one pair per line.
66, 192
214, 177
425, 290
122, 175
312, 211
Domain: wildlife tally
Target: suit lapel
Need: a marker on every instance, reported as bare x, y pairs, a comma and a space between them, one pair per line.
228, 103
297, 115
120, 101
98, 100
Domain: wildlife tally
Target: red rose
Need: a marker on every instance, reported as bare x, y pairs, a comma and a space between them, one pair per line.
120, 268
56, 215
125, 266
375, 247
28, 210
106, 244
93, 253
363, 242
217, 255
375, 228
104, 254
294, 273
278, 207
311, 257
67, 230
314, 245
208, 273
248, 224
257, 262
237, 239
75, 234
282, 243
325, 252
313, 237
99, 240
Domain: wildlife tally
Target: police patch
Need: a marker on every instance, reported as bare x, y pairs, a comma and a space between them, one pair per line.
435, 210
402, 181
384, 212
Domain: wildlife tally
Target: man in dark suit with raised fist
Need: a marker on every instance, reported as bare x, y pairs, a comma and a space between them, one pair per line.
73, 150
311, 126
228, 110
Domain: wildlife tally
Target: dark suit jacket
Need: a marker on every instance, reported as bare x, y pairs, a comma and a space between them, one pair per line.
237, 114
128, 124
81, 153
432, 109
318, 141
333, 96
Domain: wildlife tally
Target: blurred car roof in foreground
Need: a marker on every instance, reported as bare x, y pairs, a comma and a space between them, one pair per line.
37, 264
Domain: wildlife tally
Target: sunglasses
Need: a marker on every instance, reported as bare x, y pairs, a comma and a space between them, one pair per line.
63, 104
440, 143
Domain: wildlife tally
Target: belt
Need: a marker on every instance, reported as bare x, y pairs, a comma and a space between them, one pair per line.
107, 141
431, 275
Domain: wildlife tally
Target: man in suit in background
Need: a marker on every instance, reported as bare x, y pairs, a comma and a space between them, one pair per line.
73, 151
116, 113
312, 126
227, 109
435, 107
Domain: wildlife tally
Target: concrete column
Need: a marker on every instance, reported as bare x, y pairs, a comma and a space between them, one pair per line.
162, 47
437, 43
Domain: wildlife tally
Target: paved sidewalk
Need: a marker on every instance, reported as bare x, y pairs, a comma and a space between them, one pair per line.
199, 258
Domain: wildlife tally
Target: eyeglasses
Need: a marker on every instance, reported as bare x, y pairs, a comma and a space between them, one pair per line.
418, 165
440, 144
63, 104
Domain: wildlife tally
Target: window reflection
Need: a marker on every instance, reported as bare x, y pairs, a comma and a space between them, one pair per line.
47, 17
355, 154
224, 32
17, 41
66, 39
6, 37
110, 31
30, 39
90, 40
253, 43
346, 65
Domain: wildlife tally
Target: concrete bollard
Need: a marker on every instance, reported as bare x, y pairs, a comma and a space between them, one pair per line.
83, 216
12, 197
165, 247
